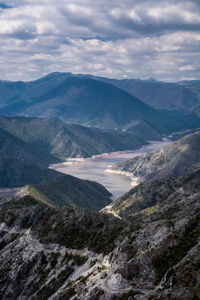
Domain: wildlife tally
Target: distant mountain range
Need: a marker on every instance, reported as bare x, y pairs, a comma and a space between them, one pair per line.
94, 101
62, 237
175, 159
161, 95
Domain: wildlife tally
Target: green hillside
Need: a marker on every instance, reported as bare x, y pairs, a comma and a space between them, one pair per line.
15, 173
69, 191
67, 140
15, 148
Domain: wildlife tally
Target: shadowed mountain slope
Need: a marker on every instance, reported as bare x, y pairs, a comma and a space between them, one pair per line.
67, 140
160, 95
15, 173
12, 147
87, 101
67, 190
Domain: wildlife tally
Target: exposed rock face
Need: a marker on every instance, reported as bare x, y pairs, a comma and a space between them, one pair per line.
153, 194
151, 253
175, 159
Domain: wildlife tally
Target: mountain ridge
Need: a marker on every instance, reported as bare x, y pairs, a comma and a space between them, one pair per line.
69, 140
90, 101
175, 159
72, 252
67, 190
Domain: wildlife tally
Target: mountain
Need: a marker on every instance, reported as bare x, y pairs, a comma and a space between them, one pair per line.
175, 159
71, 252
67, 190
183, 96
22, 163
194, 87
85, 101
68, 140
151, 196
15, 173
158, 94
15, 148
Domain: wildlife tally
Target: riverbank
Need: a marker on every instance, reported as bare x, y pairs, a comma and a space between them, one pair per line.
95, 168
134, 180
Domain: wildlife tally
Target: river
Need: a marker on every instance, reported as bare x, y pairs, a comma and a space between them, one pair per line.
94, 168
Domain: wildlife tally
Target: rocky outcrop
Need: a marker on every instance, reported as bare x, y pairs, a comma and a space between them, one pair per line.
175, 159
152, 252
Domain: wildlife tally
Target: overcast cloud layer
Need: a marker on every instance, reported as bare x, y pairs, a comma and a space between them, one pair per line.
131, 39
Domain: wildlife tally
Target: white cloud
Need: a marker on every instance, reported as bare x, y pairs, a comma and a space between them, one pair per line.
128, 39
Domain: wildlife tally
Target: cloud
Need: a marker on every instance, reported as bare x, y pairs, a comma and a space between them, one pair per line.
128, 39
4, 6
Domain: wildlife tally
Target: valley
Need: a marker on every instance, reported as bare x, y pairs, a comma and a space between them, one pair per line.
99, 150
104, 209
94, 168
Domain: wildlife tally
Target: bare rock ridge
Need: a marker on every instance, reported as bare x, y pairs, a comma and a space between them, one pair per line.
72, 252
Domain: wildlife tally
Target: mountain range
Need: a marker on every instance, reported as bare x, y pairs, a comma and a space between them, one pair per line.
63, 140
161, 95
62, 237
29, 145
93, 102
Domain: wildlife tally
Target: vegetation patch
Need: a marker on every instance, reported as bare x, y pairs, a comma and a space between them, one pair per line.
129, 295
54, 284
171, 255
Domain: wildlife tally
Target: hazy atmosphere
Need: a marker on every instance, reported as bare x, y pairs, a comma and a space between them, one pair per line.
128, 39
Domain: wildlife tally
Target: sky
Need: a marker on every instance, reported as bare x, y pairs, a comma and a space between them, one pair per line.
116, 39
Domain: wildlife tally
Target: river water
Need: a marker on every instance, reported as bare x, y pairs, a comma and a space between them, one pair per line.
94, 168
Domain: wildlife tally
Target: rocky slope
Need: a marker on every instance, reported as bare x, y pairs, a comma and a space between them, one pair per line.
175, 159
71, 253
